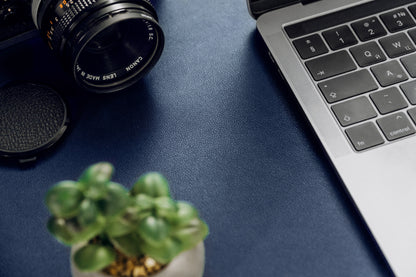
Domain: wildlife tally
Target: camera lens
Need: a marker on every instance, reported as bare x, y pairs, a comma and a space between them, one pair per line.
106, 44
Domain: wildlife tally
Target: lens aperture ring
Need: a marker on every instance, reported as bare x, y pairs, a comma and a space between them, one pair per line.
63, 14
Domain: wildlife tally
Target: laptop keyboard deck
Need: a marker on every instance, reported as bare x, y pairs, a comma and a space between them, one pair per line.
366, 70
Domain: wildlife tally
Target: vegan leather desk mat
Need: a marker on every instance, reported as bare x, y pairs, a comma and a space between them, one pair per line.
214, 117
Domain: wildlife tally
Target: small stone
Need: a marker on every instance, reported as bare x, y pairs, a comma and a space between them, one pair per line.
129, 265
112, 271
125, 266
135, 261
139, 271
149, 262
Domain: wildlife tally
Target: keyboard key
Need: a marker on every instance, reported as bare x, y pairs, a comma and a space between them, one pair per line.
340, 37
389, 73
388, 100
397, 45
412, 34
347, 86
409, 90
330, 65
369, 28
353, 111
412, 113
397, 20
364, 136
409, 63
413, 10
310, 46
368, 54
396, 126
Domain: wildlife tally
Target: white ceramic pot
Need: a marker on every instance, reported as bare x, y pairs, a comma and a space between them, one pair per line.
187, 264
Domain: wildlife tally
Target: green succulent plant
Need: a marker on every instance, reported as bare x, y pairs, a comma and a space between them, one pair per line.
105, 217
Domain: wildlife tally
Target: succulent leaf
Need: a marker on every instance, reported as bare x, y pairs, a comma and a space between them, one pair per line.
129, 244
144, 202
70, 232
94, 257
163, 253
88, 212
91, 230
186, 212
95, 192
152, 184
134, 214
153, 230
165, 207
95, 177
119, 226
61, 230
191, 234
115, 200
63, 199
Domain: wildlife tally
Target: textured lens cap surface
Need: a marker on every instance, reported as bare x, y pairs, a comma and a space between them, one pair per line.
32, 119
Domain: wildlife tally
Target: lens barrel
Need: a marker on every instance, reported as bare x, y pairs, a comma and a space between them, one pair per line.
107, 44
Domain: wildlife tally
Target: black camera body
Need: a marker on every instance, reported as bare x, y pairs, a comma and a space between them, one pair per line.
15, 21
107, 45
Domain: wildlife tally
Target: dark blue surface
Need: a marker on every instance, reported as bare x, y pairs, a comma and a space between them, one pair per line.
215, 118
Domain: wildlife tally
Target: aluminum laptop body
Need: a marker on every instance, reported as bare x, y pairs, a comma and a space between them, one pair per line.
380, 179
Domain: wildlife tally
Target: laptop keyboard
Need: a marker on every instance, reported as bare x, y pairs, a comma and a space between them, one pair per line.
366, 72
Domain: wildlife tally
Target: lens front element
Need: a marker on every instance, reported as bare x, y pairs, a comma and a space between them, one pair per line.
117, 54
108, 44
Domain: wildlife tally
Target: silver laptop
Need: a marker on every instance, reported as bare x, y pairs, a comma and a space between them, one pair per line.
352, 66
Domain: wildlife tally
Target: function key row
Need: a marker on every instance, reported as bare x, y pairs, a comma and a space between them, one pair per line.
366, 29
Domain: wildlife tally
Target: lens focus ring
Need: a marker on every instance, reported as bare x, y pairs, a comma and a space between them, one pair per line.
57, 24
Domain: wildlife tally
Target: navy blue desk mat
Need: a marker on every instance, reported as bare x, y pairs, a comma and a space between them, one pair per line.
216, 119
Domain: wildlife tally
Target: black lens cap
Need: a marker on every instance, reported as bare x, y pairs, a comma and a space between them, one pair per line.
33, 118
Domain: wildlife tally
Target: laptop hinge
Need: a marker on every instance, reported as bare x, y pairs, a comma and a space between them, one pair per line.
259, 7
